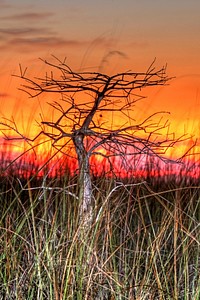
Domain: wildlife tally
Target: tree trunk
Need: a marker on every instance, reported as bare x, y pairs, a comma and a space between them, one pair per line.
85, 183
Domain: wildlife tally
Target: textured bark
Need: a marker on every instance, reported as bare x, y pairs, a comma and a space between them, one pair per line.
85, 181
85, 184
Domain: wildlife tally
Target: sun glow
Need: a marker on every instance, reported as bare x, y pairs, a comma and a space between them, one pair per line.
140, 122
42, 158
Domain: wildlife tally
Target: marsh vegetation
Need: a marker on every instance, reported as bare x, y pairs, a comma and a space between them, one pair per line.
143, 242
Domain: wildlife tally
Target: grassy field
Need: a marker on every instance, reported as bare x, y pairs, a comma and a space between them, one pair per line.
144, 242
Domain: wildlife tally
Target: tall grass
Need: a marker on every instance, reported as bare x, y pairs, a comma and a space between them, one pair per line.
143, 244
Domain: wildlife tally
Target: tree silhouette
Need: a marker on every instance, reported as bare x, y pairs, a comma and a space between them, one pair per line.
85, 98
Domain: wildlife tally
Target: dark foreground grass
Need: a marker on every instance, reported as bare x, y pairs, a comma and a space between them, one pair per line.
144, 242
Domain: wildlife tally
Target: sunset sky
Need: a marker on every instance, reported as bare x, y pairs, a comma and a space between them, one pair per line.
129, 34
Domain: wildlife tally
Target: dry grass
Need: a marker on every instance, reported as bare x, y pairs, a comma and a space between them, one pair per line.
143, 244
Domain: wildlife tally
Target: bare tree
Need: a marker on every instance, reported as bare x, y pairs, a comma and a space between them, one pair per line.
84, 97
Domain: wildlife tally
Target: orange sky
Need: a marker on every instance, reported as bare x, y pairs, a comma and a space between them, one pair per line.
129, 34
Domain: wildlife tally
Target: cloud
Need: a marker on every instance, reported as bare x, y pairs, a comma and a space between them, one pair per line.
44, 40
40, 42
13, 37
28, 31
36, 37
25, 45
29, 16
24, 39
23, 31
37, 43
19, 32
